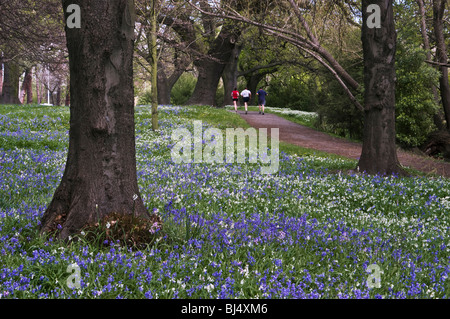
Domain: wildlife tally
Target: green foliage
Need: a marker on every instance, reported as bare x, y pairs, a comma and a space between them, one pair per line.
415, 105
183, 89
294, 91
145, 98
220, 95
337, 114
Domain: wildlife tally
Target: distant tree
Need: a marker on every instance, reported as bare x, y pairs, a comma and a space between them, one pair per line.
30, 32
210, 42
173, 55
11, 76
27, 87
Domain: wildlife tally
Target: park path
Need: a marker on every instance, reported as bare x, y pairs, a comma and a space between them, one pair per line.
306, 137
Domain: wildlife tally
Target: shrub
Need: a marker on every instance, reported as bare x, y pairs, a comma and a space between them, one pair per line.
415, 105
294, 91
145, 98
183, 89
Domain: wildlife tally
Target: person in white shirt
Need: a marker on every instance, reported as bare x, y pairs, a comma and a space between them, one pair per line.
246, 95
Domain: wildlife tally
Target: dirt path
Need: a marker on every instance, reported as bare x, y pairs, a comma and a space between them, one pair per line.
305, 137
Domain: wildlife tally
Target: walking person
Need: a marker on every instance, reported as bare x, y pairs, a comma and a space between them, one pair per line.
235, 97
261, 99
246, 95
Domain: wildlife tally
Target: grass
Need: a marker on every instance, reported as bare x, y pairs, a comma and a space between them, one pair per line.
228, 231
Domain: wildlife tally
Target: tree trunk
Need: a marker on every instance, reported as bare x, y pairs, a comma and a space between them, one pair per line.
38, 90
67, 99
442, 57
379, 153
154, 50
163, 87
230, 75
27, 88
165, 83
1, 76
209, 73
58, 96
210, 68
100, 174
11, 77
252, 85
437, 118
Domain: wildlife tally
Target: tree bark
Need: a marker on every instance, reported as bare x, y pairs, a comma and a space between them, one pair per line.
442, 56
210, 68
67, 98
230, 75
30, 87
379, 153
100, 174
154, 51
1, 75
27, 87
11, 76
165, 82
163, 87
38, 89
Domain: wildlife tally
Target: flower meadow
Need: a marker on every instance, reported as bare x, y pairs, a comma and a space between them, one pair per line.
314, 230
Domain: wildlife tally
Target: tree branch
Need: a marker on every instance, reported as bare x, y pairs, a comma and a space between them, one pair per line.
437, 63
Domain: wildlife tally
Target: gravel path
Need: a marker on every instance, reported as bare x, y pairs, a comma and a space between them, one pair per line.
306, 137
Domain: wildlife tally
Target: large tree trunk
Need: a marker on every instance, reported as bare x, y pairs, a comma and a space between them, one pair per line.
100, 174
29, 86
379, 153
166, 83
11, 77
209, 73
442, 57
230, 75
210, 68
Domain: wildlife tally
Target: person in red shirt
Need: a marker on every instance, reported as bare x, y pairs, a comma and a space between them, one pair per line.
235, 97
